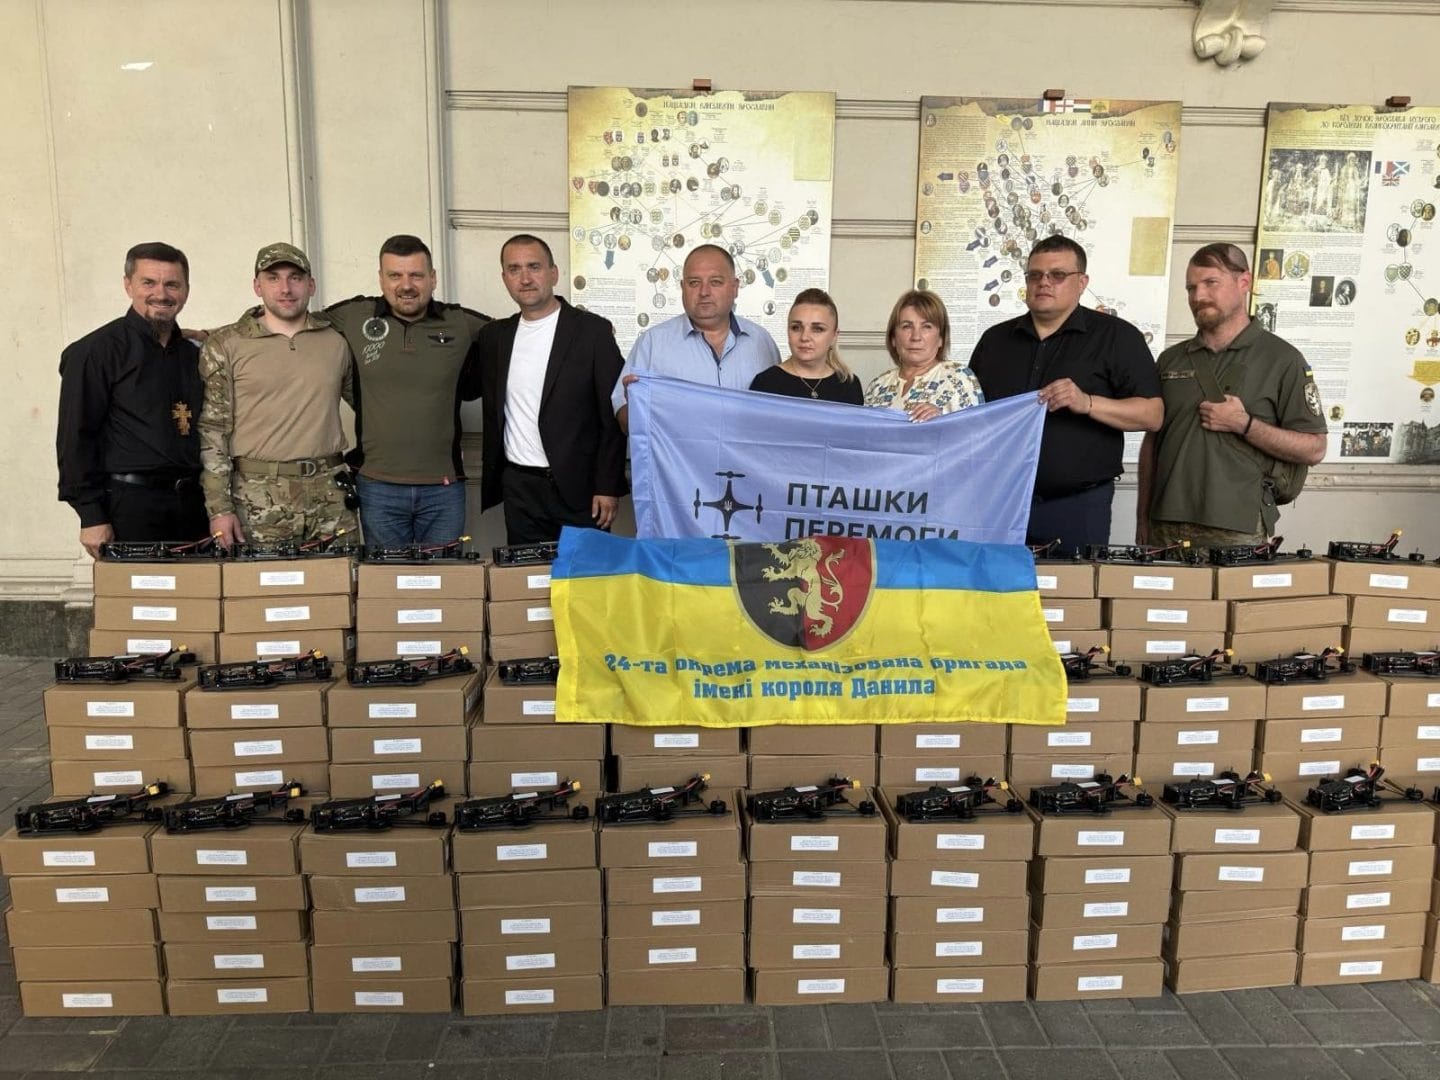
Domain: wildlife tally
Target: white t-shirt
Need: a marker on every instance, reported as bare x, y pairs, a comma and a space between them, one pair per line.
528, 361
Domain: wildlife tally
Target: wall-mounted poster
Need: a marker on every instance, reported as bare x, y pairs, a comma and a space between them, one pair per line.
996, 175
1347, 269
654, 173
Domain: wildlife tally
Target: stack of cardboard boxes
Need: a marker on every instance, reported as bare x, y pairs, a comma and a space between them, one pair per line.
1410, 731
1198, 730
287, 607
1067, 588
1392, 604
1314, 729
156, 607
941, 753
1158, 610
784, 755
425, 609
521, 757
1279, 608
518, 612
662, 755
259, 739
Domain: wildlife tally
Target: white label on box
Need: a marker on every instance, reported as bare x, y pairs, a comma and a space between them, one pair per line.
1199, 737
1237, 836
1070, 771
389, 894
1372, 832
513, 852
1207, 704
1164, 645
1053, 614
1371, 867
959, 914
533, 779
362, 964
1407, 615
959, 986
820, 986
230, 894
419, 615
260, 777
254, 712
674, 956
1428, 732
815, 843
271, 579
937, 775
529, 997
1318, 768
1367, 900
1363, 933
1108, 875
1321, 734
955, 879
1316, 702
259, 747
294, 613
109, 742
673, 849
250, 995
937, 742
537, 581
1082, 704
397, 746
1150, 581
410, 582
222, 857
1107, 909
148, 644
1432, 701
419, 647
959, 948
542, 707
1067, 738
110, 708
231, 922
1100, 837
685, 917
145, 613
118, 778
154, 582
380, 998
277, 648
810, 915
396, 710
1100, 982
674, 884
97, 895
960, 841
530, 961
539, 614
815, 952
1081, 942
1389, 581
1167, 615
1271, 581
524, 926
355, 860
826, 879
1427, 764
406, 780
682, 740
230, 961
67, 858
1362, 967
87, 1001
1047, 581
1240, 873
1192, 768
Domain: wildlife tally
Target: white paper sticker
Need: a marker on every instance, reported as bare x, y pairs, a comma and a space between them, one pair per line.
687, 955
365, 964
402, 780
1192, 768
389, 894
1152, 582
815, 843
380, 998
1427, 732
524, 926
397, 746
259, 747
222, 857
1071, 771
816, 951
1067, 738
1318, 768
1108, 875
937, 775
231, 922
152, 582
418, 647
820, 986
1271, 581
118, 778
1237, 836
1167, 615
232, 961
1164, 645
67, 858
1053, 614
414, 582
1100, 837
1371, 867
954, 879
684, 917
1240, 873
539, 614
529, 997
806, 916
148, 644
537, 581
1321, 734
230, 894
538, 707
1367, 900
355, 860
1082, 705
277, 648
1374, 932
1372, 832
270, 579
87, 1001
937, 742
110, 708
960, 842
959, 986
254, 712
1407, 615
675, 884
1100, 982
1047, 581
408, 616
1319, 702
99, 894
673, 849
1085, 942
1198, 737
1432, 701
293, 613
1389, 581
1207, 704
109, 742
530, 961
1427, 764
521, 852
260, 778
250, 995
676, 740
1362, 967
959, 948
392, 710
825, 879
1107, 909
147, 613
959, 914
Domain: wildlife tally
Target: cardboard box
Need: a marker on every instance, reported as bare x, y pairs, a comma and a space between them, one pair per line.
1382, 613
841, 740
1162, 643
1404, 732
634, 771
279, 615
454, 581
357, 781
190, 580
1115, 874
519, 582
421, 892
49, 963
529, 887
960, 947
383, 960
1063, 946
556, 993
1103, 697
1130, 832
314, 576
1294, 773
231, 894
119, 849
519, 616
713, 987
533, 923
502, 777
132, 926
1360, 640
285, 642
533, 704
118, 997
804, 953
961, 878
1412, 764
1094, 979
232, 930
853, 878
941, 740
90, 892
558, 959
1365, 899
837, 838
657, 884
1027, 771
1171, 616
123, 705
1393, 578
1234, 939
699, 952
1285, 577
433, 995
301, 705
214, 780
1237, 871
242, 992
1388, 864
678, 919
1360, 694
521, 646
902, 773
1168, 581
116, 744
693, 840
568, 741
1417, 697
1073, 737
238, 852
259, 747
1065, 578
917, 985
1204, 973
681, 743
205, 646
1224, 698
447, 702
1266, 645
1301, 613
1106, 908
777, 771
157, 615
955, 916
418, 641
422, 615
844, 985
1259, 827
270, 960
559, 845
382, 745
1071, 615
390, 927
993, 837
1304, 736
1360, 934
397, 853
818, 916
1400, 825
1226, 739
1225, 905
1378, 965
76, 778
1189, 764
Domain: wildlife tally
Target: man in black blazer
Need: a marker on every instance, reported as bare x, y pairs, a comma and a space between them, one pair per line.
553, 451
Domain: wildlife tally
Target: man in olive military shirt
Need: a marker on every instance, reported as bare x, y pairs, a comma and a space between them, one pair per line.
413, 367
1241, 412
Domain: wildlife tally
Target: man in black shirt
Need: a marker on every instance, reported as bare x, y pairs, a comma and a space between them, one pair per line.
1095, 375
130, 393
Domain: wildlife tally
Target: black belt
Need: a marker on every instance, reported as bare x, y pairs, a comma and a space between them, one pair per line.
1081, 490
530, 470
159, 481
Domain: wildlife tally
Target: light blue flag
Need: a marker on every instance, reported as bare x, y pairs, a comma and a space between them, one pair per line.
743, 465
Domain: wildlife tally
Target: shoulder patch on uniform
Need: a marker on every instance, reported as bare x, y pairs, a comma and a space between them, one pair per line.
1312, 398
1309, 374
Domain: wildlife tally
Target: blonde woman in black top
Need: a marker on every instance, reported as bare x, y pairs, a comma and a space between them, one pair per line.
814, 369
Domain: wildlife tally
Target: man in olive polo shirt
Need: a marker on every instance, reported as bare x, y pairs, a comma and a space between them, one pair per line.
413, 367
1241, 411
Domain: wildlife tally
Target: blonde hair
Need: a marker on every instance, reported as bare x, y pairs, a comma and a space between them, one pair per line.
820, 298
930, 308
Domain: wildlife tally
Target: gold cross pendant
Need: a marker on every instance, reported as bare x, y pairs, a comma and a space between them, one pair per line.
181, 415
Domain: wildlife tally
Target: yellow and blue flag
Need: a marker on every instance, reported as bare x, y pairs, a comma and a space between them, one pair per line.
819, 630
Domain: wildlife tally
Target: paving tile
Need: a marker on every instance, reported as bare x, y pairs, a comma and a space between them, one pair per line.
799, 1027
1148, 1029
1066, 1023
138, 1043
414, 1038
853, 1027
918, 1065
71, 1052
579, 1033
635, 1029
629, 1067
1356, 1029
1220, 1020
757, 1065
932, 1030
1274, 1062
1412, 1062
244, 1047
1167, 1002
1352, 997
193, 1042
1051, 1064
712, 1033
974, 1064
1011, 1023
360, 1037
1409, 1001
519, 1036
1269, 1019
1197, 1064
1364, 1063
1109, 1005
809, 1064
1303, 998
1143, 1065
407, 1070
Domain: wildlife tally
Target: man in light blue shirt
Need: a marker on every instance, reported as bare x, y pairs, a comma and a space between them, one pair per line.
709, 343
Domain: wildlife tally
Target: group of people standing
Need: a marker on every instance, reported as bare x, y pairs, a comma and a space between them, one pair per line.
241, 437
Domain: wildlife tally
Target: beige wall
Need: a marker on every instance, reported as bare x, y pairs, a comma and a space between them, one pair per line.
337, 122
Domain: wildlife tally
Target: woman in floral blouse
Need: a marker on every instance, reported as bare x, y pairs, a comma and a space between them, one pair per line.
923, 383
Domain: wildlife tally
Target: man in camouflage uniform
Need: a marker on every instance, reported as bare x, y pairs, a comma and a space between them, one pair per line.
271, 442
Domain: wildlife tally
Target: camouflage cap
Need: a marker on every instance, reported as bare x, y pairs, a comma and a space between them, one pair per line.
277, 254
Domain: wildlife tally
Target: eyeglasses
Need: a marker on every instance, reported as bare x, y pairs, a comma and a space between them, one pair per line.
1055, 277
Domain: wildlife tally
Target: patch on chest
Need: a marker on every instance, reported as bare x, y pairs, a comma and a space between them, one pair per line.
1177, 374
440, 337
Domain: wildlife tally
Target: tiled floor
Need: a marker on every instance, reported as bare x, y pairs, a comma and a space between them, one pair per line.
1377, 1032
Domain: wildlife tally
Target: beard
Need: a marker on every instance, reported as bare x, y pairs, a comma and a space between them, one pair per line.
1208, 318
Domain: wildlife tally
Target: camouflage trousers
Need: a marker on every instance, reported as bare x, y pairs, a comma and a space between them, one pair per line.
1203, 537
296, 508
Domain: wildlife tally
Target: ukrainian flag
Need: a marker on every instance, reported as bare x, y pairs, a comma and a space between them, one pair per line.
819, 630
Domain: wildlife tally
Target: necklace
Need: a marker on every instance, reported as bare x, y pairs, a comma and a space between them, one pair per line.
814, 387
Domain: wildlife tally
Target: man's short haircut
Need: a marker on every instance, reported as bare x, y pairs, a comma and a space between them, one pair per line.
1058, 244
930, 308
405, 245
1221, 257
526, 238
729, 259
157, 252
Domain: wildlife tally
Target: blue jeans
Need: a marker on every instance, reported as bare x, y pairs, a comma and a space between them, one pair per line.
392, 515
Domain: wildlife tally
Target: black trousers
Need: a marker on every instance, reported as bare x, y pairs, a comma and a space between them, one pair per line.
534, 510
1075, 520
153, 513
